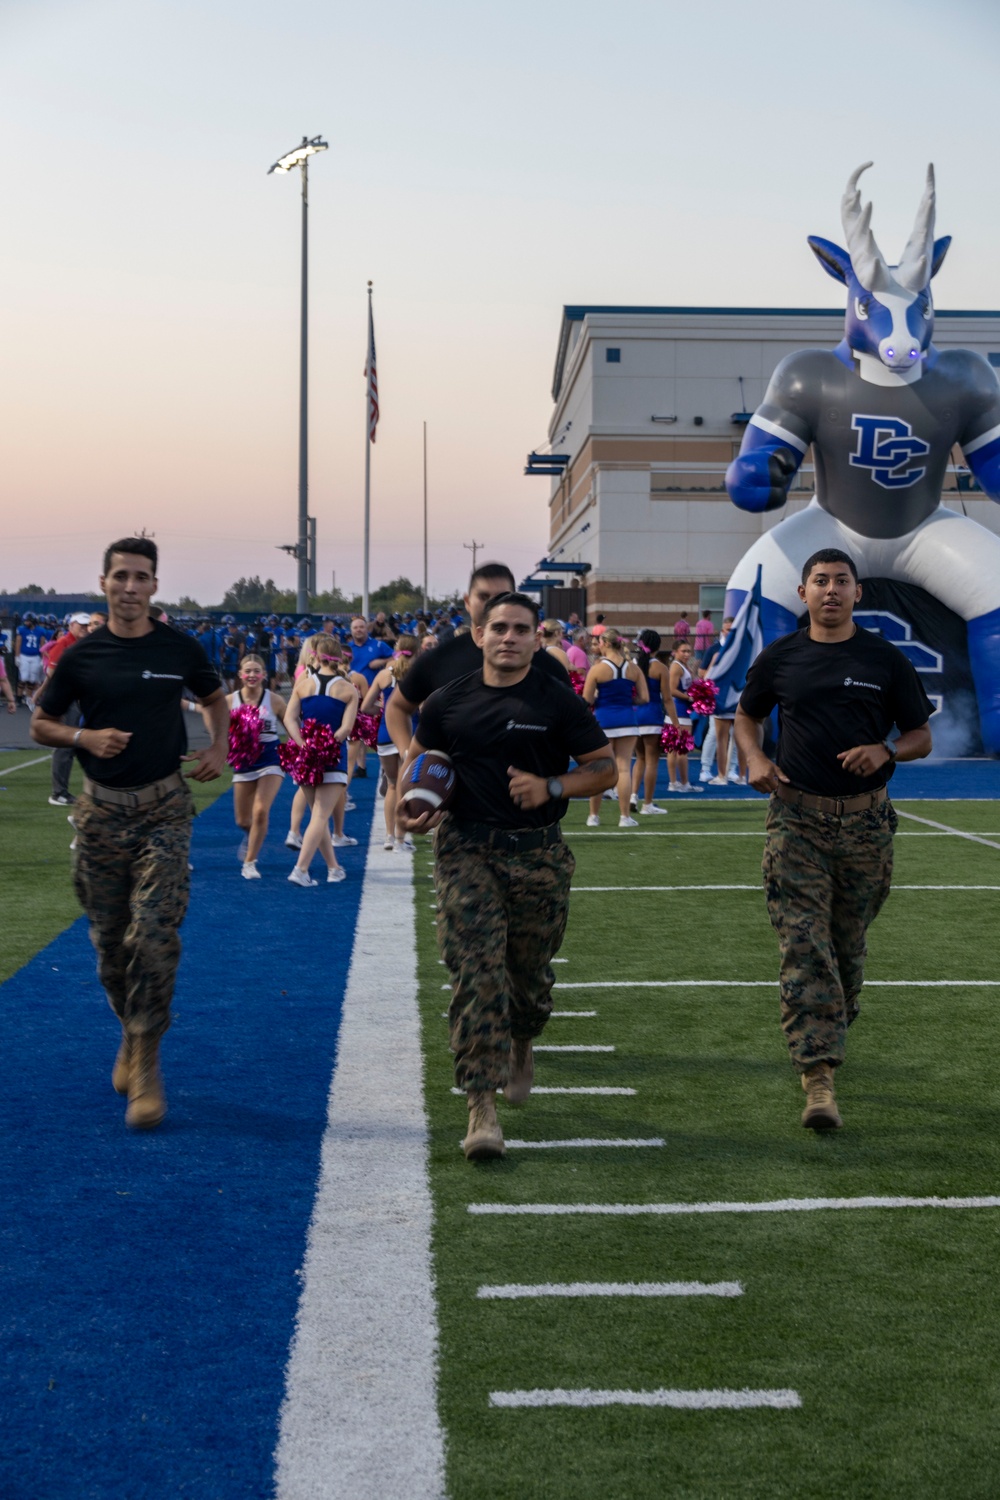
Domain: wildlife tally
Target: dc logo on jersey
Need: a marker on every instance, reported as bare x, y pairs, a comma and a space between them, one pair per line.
885, 446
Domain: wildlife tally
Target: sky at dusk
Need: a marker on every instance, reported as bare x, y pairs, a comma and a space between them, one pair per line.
487, 164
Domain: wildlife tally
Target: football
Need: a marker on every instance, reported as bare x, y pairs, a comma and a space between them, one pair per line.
429, 784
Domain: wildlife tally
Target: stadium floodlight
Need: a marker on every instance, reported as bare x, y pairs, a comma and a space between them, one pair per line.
299, 156
305, 547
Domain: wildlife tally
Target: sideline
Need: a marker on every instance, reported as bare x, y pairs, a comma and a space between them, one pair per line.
9, 770
975, 838
359, 1419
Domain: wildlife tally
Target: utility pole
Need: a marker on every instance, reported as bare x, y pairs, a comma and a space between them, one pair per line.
425, 518
304, 550
473, 547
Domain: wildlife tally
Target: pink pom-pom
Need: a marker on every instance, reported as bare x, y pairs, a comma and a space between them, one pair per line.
703, 696
576, 681
676, 741
319, 752
366, 729
244, 737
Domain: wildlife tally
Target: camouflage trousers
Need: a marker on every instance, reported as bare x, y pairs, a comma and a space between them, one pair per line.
131, 878
501, 917
826, 879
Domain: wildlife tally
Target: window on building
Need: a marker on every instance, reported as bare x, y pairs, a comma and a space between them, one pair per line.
614, 356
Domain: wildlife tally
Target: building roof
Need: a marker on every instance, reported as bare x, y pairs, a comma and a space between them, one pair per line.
576, 313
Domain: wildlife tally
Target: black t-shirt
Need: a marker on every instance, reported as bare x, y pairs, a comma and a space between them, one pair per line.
132, 684
457, 658
832, 696
536, 725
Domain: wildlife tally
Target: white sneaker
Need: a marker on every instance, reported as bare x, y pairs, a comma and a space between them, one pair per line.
250, 870
301, 877
72, 847
718, 781
650, 810
293, 841
737, 780
390, 842
350, 806
405, 846
684, 786
593, 821
675, 786
609, 796
627, 823
342, 841
333, 875
633, 802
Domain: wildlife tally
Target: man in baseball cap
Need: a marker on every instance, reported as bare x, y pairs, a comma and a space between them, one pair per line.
62, 760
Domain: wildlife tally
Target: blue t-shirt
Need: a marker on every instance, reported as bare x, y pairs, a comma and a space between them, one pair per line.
30, 641
363, 657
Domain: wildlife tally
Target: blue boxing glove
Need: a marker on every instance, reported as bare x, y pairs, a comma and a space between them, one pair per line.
759, 478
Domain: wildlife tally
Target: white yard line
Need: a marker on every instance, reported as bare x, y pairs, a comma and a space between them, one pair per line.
680, 1400
9, 770
758, 833
760, 889
623, 1093
359, 1420
761, 984
552, 1047
585, 1143
557, 1015
514, 1291
773, 1206
576, 889
957, 833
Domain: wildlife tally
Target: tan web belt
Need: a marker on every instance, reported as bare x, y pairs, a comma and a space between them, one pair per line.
134, 796
836, 807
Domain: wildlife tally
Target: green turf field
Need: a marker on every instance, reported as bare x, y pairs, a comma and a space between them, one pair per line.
885, 1322
36, 892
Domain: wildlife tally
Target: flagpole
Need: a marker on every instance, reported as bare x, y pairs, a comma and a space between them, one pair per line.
368, 468
425, 518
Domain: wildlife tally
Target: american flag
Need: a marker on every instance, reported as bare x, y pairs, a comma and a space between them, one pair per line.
371, 376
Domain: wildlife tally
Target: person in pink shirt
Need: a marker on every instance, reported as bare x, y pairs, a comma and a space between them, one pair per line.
704, 635
682, 628
576, 654
6, 689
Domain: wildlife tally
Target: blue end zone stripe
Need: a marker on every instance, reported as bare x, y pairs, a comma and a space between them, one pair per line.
151, 1289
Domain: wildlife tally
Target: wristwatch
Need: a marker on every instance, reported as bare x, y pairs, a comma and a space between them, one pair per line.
555, 788
891, 749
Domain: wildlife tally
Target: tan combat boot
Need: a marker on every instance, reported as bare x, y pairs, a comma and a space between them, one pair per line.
146, 1101
120, 1071
522, 1071
821, 1111
484, 1138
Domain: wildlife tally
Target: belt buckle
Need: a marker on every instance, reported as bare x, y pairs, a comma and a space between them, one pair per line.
133, 797
513, 842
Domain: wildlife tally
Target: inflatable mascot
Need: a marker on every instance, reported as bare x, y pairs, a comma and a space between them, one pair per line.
882, 413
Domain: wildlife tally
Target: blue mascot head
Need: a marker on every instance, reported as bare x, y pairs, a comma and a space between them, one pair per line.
890, 313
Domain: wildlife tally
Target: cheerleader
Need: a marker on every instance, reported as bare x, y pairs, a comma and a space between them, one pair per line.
381, 691
552, 641
255, 787
322, 695
649, 721
613, 686
681, 678
297, 663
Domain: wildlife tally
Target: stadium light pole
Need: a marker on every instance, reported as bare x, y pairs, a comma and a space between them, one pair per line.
299, 157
